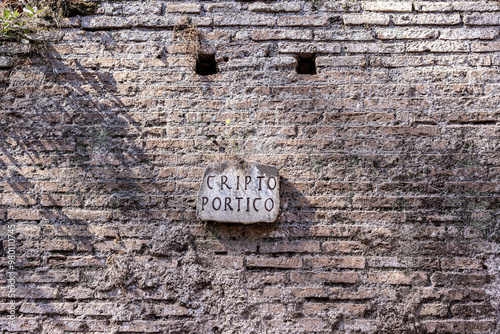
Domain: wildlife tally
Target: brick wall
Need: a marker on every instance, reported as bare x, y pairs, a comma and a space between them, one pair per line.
389, 158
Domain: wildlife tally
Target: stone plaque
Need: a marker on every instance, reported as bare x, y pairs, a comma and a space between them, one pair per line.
233, 192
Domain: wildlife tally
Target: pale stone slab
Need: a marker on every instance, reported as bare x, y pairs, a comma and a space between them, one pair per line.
231, 192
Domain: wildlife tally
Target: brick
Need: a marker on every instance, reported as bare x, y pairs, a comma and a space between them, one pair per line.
471, 310
19, 325
191, 8
244, 20
406, 33
485, 46
459, 326
341, 61
375, 48
170, 310
222, 7
360, 19
77, 293
320, 277
47, 308
429, 6
113, 22
448, 279
265, 277
438, 46
476, 6
301, 325
274, 7
427, 19
149, 326
343, 247
387, 6
6, 62
461, 263
344, 308
44, 292
361, 326
12, 49
402, 61
278, 34
482, 19
53, 276
468, 33
261, 262
398, 278
436, 310
335, 262
344, 35
73, 325
309, 292
291, 247
132, 8
303, 21
308, 47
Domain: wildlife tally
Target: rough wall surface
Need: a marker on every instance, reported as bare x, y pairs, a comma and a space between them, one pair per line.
389, 160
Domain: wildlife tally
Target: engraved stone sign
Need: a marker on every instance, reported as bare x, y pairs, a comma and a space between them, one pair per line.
239, 193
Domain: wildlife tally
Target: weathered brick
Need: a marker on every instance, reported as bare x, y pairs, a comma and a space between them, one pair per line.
343, 35
485, 46
482, 19
375, 48
476, 6
306, 21
341, 61
274, 7
291, 247
450, 278
6, 62
406, 33
468, 310
132, 8
436, 310
459, 325
429, 6
360, 19
261, 262
427, 19
335, 262
43, 292
191, 8
398, 277
47, 308
242, 20
319, 277
343, 308
19, 325
461, 263
308, 47
277, 34
468, 33
438, 46
387, 6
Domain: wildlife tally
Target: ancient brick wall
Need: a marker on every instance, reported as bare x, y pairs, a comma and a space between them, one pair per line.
388, 157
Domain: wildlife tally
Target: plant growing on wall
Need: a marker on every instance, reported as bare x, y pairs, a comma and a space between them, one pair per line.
18, 21
20, 18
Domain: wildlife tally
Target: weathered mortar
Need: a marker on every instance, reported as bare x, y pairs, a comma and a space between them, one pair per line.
388, 159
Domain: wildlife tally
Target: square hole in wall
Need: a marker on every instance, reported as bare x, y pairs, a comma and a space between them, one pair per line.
306, 64
206, 64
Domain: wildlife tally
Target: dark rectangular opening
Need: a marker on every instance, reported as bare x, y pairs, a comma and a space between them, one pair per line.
306, 64
206, 64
